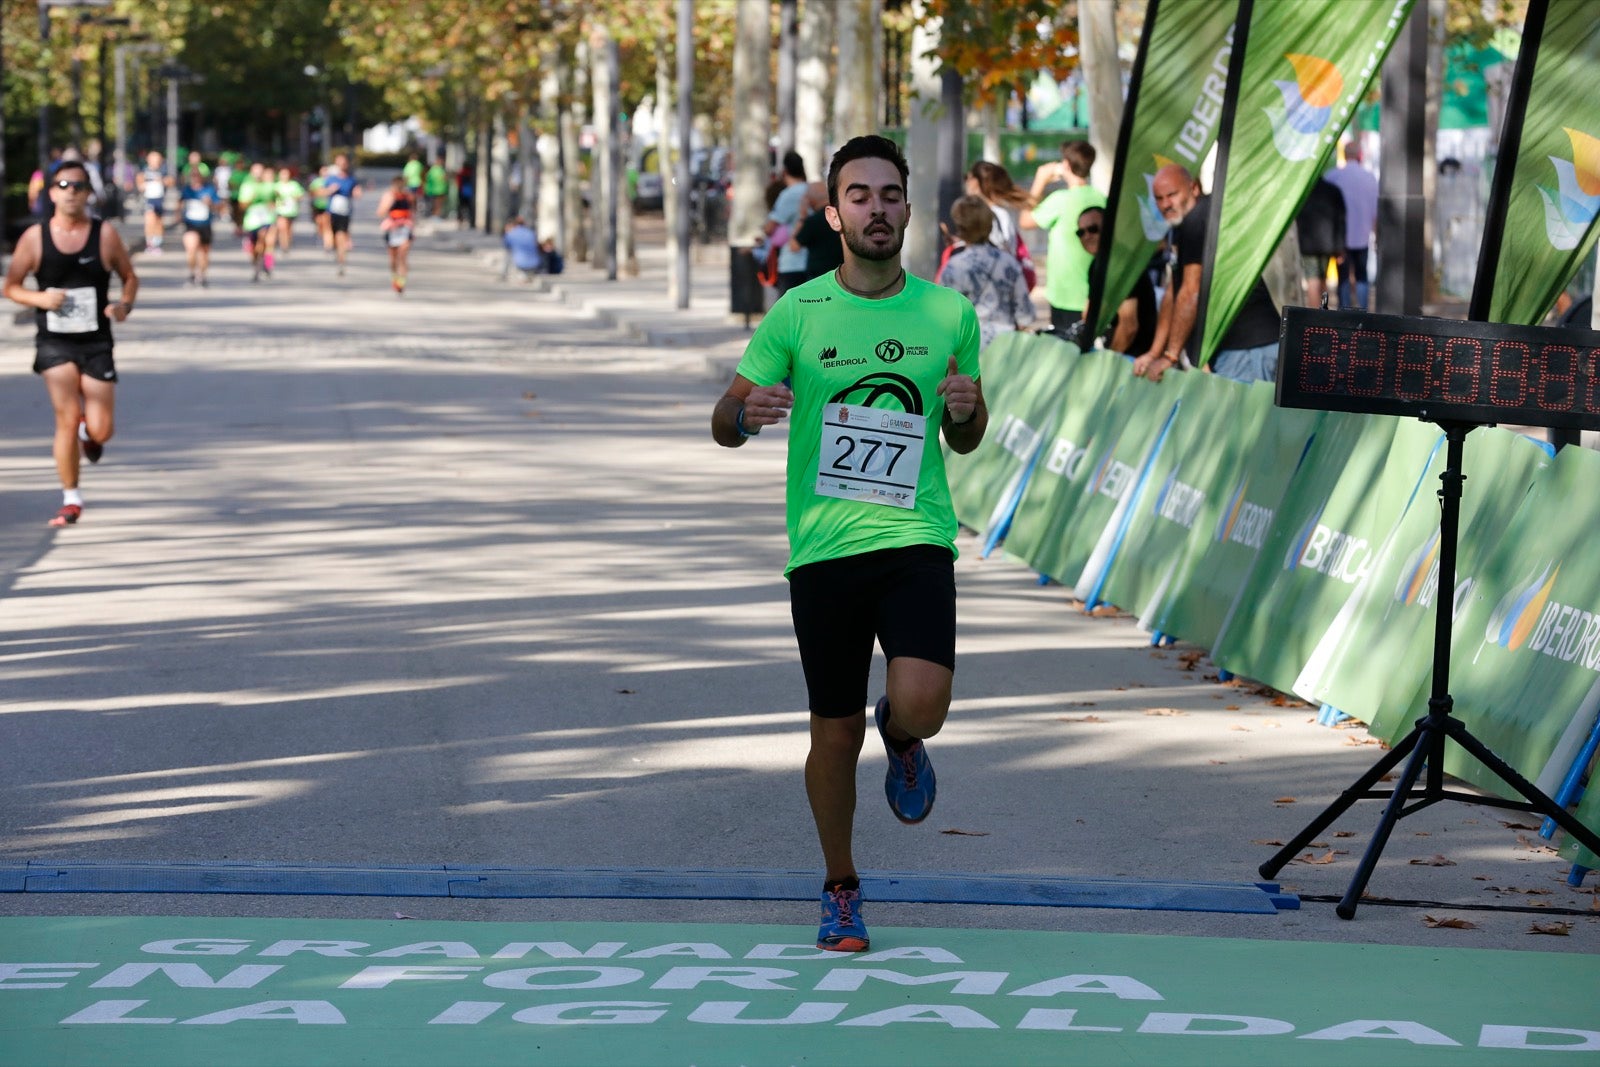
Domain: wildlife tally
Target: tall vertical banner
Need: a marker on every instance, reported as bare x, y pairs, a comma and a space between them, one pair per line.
1546, 193
1172, 114
1298, 72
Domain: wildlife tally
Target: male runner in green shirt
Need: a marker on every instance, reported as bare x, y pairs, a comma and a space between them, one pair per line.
879, 363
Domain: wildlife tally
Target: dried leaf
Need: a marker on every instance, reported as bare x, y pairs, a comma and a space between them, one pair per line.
627, 691
1284, 800
1531, 845
1104, 610
1344, 833
1516, 825
530, 395
1218, 762
1267, 841
1554, 928
1433, 861
1516, 889
1080, 718
1448, 923
1241, 727
1164, 711
1312, 857
1230, 707
1279, 701
1423, 833
1319, 844
1189, 659
1362, 741
965, 833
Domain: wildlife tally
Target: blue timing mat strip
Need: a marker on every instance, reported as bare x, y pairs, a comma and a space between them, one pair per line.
1261, 898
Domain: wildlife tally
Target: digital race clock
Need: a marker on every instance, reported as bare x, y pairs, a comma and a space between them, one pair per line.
1440, 370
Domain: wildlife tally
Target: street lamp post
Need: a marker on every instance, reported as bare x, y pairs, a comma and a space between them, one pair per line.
122, 50
44, 101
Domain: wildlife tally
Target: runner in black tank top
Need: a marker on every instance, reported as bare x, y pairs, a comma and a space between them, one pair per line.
72, 257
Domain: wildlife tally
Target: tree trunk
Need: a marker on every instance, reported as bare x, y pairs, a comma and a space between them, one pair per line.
680, 167
752, 87
815, 46
553, 179
788, 44
855, 110
483, 168
1102, 77
665, 144
994, 120
603, 57
923, 243
572, 120
528, 164
500, 179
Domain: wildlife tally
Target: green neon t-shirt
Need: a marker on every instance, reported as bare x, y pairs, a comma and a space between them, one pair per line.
844, 354
1066, 268
259, 200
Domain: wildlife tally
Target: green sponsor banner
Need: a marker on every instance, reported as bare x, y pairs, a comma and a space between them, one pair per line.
1376, 660
1525, 664
1184, 488
1305, 67
1082, 416
1265, 444
1026, 375
1553, 203
180, 991
1356, 482
1589, 815
1173, 112
1133, 421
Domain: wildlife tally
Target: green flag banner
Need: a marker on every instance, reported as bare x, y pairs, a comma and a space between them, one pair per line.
1552, 205
1525, 665
1354, 485
1267, 443
1023, 378
1081, 417
1184, 488
1298, 74
1134, 421
1376, 661
1172, 113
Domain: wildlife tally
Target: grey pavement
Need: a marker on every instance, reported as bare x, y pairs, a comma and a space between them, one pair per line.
459, 577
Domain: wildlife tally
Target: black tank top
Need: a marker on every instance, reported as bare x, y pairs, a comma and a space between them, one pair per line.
80, 273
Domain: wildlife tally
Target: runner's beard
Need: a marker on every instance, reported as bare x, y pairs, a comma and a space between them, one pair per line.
856, 241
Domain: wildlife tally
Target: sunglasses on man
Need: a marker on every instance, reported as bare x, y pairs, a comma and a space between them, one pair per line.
76, 187
1086, 231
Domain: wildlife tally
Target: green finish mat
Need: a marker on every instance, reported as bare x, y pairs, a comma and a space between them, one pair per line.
174, 991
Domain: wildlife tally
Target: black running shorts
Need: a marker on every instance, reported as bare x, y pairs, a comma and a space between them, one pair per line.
92, 358
201, 228
903, 597
340, 223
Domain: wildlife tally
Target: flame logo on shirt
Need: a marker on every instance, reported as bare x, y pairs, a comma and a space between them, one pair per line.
1514, 618
1307, 107
1572, 205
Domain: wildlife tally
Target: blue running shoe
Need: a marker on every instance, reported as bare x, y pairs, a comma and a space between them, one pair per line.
842, 929
909, 785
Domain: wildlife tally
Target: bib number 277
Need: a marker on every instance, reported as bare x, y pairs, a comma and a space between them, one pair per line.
871, 455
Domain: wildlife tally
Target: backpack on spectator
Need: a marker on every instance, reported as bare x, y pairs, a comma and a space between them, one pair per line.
1030, 274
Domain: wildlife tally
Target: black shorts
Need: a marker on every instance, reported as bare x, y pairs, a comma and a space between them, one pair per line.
201, 228
92, 358
903, 597
340, 223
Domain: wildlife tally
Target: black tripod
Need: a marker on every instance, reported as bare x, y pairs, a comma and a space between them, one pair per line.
1425, 743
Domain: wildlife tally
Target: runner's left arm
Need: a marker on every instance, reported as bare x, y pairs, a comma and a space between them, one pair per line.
115, 254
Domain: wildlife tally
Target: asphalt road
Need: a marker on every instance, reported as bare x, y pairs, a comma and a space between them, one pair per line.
459, 577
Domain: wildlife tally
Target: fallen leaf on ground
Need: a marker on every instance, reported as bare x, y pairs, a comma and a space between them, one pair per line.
1284, 800
1105, 609
1362, 741
965, 833
1516, 825
1319, 844
1280, 701
1081, 718
1531, 845
1344, 833
1164, 711
1267, 841
1449, 923
1230, 707
1240, 727
627, 691
530, 395
1189, 659
1557, 929
1517, 889
1312, 857
1218, 762
1433, 861
1423, 833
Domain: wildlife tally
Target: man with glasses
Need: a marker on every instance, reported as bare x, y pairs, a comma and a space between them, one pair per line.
72, 257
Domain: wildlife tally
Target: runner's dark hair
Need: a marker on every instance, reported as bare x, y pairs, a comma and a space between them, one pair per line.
867, 146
